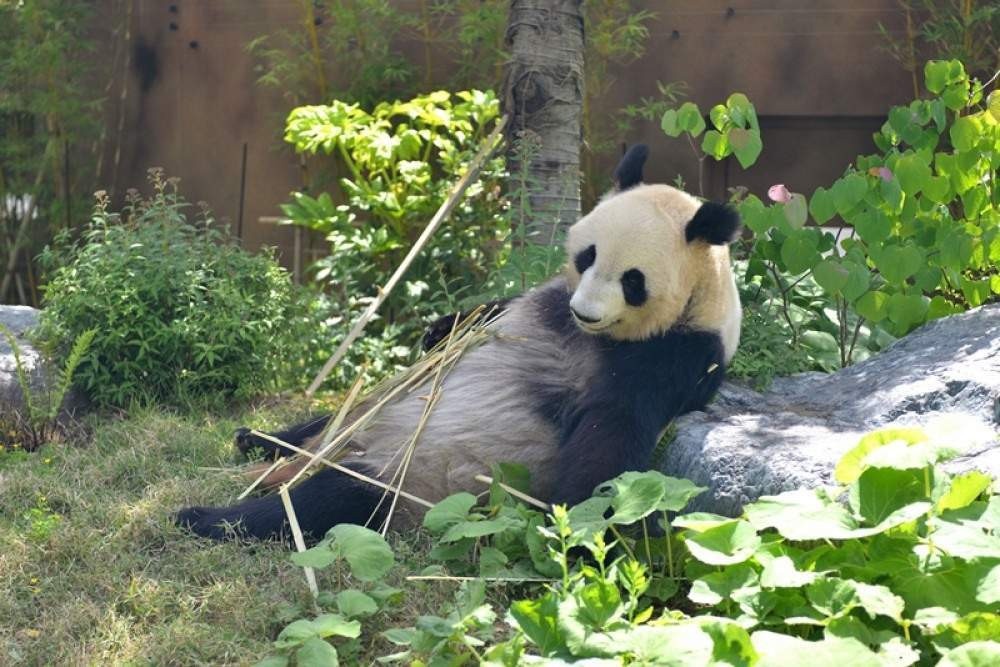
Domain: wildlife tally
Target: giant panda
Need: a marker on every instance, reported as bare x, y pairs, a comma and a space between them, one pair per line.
577, 381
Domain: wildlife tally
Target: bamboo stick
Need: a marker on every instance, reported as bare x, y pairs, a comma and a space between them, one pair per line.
485, 150
300, 543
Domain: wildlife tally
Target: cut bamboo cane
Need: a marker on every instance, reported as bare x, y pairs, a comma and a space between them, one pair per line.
485, 150
300, 543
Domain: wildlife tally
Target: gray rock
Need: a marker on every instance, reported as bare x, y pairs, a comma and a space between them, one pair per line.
19, 320
748, 444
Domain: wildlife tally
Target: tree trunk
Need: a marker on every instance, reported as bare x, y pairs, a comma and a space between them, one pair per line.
543, 94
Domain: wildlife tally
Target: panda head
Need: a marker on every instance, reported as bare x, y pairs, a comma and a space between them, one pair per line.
649, 257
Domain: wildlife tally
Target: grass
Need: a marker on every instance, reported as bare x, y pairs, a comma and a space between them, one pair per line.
93, 570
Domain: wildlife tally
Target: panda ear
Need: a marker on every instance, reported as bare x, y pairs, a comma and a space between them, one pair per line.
718, 224
628, 173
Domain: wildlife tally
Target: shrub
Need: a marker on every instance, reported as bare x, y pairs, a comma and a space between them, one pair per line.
180, 311
401, 160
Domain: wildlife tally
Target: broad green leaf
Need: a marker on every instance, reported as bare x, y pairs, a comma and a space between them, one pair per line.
353, 603
669, 123
731, 643
892, 193
719, 115
679, 645
831, 276
967, 542
777, 650
897, 263
318, 557
913, 173
881, 491
366, 552
448, 512
636, 495
988, 588
539, 620
796, 211
746, 145
328, 625
821, 205
872, 225
938, 74
599, 602
801, 515
589, 515
690, 120
976, 292
478, 529
726, 544
937, 189
492, 561
781, 572
965, 132
316, 653
715, 144
907, 310
963, 490
835, 597
700, 521
799, 252
973, 654
873, 306
273, 661
851, 464
858, 280
713, 588
848, 191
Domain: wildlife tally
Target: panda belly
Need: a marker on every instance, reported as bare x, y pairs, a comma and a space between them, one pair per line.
488, 412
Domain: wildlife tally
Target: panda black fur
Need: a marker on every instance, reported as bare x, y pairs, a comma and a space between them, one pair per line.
579, 380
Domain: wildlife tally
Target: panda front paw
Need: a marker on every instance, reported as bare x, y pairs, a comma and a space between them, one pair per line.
253, 446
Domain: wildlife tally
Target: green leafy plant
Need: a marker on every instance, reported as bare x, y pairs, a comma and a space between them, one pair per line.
922, 234
897, 563
367, 557
735, 131
181, 312
402, 159
38, 422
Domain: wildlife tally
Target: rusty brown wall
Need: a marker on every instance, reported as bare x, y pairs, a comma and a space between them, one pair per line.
814, 70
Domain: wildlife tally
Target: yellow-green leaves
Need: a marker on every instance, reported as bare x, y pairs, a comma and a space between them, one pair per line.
736, 130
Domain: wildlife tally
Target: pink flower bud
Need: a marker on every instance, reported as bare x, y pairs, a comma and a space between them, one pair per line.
779, 193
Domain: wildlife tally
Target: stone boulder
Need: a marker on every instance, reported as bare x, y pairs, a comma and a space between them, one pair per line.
748, 444
19, 320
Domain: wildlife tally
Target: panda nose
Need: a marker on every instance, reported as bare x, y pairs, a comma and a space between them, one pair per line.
584, 318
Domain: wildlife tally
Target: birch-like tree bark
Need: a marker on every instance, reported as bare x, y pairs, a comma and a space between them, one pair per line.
543, 94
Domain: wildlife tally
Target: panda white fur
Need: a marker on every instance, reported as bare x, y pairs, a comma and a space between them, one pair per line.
582, 377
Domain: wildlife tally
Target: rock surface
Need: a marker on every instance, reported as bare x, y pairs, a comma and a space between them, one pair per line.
748, 444
18, 320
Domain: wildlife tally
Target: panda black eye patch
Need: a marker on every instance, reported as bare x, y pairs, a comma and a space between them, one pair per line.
585, 258
634, 287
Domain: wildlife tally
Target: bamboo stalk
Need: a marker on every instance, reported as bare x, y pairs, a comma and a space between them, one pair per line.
335, 425
274, 466
300, 543
485, 150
